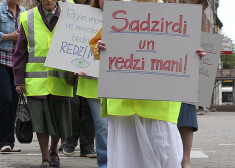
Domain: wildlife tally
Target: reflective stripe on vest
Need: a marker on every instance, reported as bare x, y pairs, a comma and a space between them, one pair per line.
32, 58
57, 74
31, 32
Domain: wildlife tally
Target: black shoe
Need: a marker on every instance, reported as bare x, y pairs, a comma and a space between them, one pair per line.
69, 149
88, 151
54, 163
45, 166
61, 147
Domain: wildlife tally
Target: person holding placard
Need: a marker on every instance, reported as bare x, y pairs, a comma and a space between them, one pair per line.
87, 87
145, 127
82, 121
141, 133
46, 88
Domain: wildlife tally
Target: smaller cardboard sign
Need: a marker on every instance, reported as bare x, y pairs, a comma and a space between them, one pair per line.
69, 49
211, 43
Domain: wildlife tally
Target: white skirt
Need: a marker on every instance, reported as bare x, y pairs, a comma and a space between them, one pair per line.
136, 142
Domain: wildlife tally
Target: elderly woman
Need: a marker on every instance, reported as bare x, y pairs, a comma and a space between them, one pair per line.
46, 88
9, 18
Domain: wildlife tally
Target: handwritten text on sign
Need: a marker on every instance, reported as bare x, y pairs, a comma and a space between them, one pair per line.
150, 51
211, 43
70, 45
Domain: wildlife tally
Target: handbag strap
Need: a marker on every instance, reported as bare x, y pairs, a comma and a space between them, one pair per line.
22, 101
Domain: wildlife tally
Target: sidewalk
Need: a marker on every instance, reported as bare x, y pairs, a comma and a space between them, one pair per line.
30, 157
213, 147
214, 142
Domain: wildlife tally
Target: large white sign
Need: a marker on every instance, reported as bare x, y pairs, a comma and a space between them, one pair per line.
150, 51
211, 43
227, 47
69, 48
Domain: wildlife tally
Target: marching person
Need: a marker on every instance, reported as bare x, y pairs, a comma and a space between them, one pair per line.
141, 133
82, 127
9, 21
46, 88
87, 87
82, 121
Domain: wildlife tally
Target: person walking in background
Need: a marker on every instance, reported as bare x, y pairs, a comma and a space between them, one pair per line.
82, 121
46, 88
187, 124
9, 21
87, 87
82, 126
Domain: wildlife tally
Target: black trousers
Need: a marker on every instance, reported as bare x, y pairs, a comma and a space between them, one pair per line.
82, 122
8, 106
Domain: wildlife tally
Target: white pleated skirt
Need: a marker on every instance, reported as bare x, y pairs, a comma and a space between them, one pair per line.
136, 142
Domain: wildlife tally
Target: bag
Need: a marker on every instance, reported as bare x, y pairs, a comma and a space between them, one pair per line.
23, 124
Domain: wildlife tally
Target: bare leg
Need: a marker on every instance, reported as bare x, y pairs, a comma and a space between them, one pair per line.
43, 142
187, 138
53, 148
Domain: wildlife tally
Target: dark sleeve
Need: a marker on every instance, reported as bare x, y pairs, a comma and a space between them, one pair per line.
20, 57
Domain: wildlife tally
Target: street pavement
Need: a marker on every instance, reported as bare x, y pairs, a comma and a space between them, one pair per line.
214, 142
213, 147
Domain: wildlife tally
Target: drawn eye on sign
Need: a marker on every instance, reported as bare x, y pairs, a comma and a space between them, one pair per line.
80, 63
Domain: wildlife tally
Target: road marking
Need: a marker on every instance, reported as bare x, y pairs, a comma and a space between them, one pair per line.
196, 148
198, 155
37, 154
193, 154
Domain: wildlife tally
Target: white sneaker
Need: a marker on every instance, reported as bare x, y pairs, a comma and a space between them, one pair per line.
6, 149
16, 150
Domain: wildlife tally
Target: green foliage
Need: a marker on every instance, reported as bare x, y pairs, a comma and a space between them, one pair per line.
228, 61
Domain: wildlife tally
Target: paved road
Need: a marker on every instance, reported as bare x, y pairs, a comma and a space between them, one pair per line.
214, 143
213, 147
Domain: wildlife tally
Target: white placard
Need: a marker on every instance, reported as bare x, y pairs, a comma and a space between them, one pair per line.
150, 51
211, 43
69, 48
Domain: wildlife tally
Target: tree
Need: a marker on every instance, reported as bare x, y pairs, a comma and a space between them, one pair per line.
228, 60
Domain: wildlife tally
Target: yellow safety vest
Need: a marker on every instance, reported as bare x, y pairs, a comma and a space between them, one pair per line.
41, 80
159, 110
87, 87
71, 1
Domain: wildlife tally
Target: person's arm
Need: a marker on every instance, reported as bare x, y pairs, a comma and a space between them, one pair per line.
11, 36
19, 60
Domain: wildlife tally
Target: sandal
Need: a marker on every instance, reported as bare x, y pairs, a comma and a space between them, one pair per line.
45, 166
54, 163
